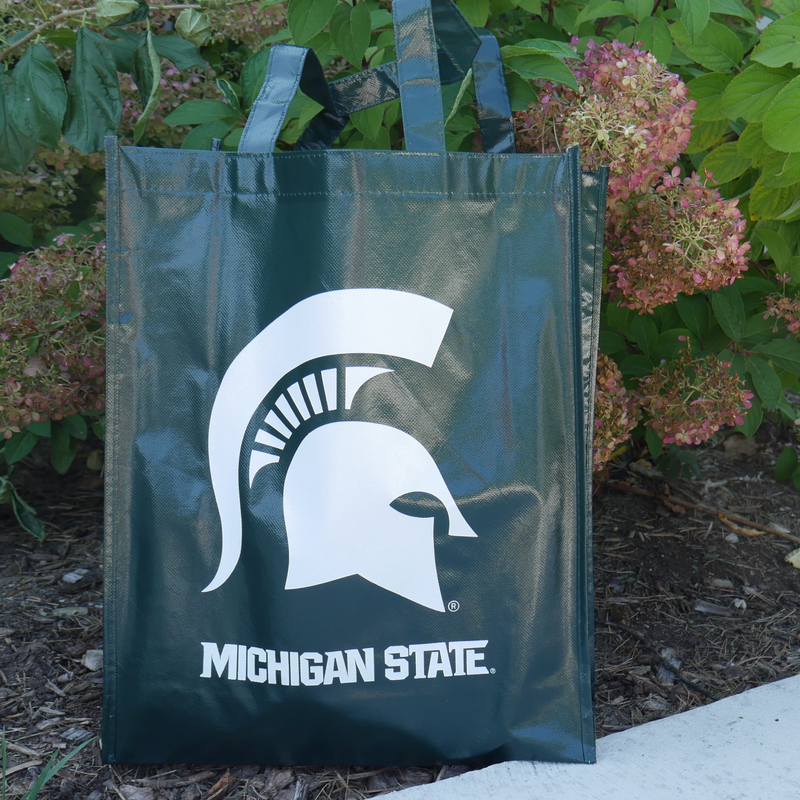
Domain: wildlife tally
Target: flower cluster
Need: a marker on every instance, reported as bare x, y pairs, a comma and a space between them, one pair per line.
629, 113
52, 336
247, 24
690, 398
615, 411
783, 309
681, 237
40, 193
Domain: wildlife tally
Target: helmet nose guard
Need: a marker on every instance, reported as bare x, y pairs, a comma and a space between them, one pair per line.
340, 522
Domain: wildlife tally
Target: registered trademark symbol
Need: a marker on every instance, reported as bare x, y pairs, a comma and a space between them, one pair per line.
492, 671
453, 605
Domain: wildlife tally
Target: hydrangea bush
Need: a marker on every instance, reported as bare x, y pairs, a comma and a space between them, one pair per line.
689, 105
52, 341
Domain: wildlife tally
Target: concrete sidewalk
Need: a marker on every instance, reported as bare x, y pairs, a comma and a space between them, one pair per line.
745, 747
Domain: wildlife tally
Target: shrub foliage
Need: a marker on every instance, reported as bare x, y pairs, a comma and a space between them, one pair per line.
692, 106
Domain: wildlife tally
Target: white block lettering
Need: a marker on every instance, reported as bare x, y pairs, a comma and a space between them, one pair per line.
396, 660
220, 661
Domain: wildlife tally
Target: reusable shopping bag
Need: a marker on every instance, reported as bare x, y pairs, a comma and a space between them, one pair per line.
349, 432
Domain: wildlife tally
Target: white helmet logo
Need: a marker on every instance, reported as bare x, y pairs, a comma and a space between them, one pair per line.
345, 474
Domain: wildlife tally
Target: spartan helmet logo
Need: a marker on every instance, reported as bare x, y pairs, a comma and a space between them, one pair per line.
345, 474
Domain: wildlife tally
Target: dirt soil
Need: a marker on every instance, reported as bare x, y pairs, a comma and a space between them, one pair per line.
689, 608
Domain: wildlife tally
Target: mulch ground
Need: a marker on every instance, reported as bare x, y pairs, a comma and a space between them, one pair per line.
690, 607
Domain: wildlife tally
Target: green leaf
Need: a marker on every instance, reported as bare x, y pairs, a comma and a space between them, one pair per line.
368, 121
724, 163
706, 134
253, 74
147, 75
671, 342
195, 112
653, 33
380, 18
194, 26
199, 137
693, 310
26, 516
40, 428
231, 92
63, 37
610, 343
95, 104
706, 91
752, 420
618, 316
780, 43
717, 48
16, 148
694, 15
729, 315
751, 93
14, 229
641, 9
782, 172
769, 203
181, 52
598, 9
757, 328
782, 120
654, 443
19, 445
310, 110
520, 92
40, 99
785, 7
306, 18
777, 247
644, 333
543, 67
786, 464
123, 45
732, 8
75, 426
109, 11
765, 380
350, 30
783, 352
751, 144
99, 429
636, 366
6, 260
64, 449
476, 11
528, 47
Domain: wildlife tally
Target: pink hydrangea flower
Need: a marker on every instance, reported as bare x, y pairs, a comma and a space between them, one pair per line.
52, 357
690, 398
615, 412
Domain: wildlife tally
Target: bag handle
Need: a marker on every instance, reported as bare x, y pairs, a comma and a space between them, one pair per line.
290, 66
380, 85
491, 92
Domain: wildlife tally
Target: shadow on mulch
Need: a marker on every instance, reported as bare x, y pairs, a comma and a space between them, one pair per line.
687, 610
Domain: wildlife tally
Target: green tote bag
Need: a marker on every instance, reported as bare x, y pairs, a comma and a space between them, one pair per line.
349, 432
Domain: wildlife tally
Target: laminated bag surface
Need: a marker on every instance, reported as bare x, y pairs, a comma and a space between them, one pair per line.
348, 457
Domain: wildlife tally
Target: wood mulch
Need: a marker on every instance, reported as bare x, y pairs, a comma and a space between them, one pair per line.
690, 606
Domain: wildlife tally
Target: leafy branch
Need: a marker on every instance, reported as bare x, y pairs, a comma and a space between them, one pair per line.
4, 54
